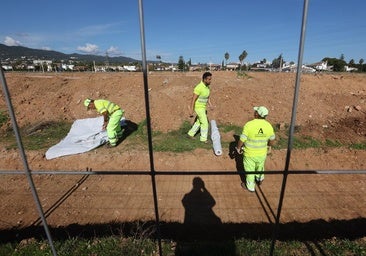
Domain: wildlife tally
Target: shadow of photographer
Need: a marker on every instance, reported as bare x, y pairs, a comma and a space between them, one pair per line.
203, 232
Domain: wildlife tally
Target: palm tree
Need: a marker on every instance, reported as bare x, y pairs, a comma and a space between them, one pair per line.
361, 66
227, 56
242, 56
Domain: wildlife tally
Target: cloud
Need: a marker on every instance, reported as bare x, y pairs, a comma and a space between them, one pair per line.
114, 51
89, 48
99, 29
11, 41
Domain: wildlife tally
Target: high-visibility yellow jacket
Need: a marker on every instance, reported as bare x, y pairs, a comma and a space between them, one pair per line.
203, 92
105, 105
255, 136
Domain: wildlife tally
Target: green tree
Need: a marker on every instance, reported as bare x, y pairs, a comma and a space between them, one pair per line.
338, 64
361, 68
242, 56
351, 63
227, 56
181, 63
189, 63
278, 62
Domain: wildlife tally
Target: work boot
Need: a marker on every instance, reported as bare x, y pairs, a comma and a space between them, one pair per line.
248, 185
109, 145
259, 179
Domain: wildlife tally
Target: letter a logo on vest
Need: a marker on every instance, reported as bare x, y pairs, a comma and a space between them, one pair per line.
260, 131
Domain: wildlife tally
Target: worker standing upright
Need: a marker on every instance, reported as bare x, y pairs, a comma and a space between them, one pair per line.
256, 138
112, 115
200, 99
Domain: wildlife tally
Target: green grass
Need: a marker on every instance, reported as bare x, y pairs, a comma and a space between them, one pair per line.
361, 146
230, 127
177, 141
303, 141
40, 136
44, 135
331, 143
127, 246
4, 117
242, 74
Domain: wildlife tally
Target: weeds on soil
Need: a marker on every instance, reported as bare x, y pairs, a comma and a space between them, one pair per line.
45, 135
130, 246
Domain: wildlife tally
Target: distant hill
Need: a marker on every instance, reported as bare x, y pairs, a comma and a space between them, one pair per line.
17, 52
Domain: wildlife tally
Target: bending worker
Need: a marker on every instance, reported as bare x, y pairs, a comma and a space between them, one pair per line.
201, 97
112, 115
256, 137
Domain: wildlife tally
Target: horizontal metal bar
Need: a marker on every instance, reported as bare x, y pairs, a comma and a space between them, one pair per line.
200, 172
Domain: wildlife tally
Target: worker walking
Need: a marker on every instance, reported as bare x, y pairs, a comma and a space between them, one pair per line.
200, 99
257, 136
112, 115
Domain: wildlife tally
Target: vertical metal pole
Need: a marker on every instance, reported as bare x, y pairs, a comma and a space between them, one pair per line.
148, 121
292, 126
25, 162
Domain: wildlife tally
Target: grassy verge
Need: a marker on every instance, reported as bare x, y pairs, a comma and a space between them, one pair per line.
39, 136
3, 117
43, 135
114, 245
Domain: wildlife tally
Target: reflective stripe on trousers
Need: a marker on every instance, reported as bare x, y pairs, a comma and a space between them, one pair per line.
253, 164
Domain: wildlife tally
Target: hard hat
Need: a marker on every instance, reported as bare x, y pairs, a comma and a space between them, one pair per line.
87, 102
262, 111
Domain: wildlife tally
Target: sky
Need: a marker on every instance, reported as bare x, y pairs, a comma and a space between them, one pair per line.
201, 31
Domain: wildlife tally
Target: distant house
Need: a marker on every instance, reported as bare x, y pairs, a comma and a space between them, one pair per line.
350, 69
293, 68
260, 66
320, 66
130, 68
195, 68
213, 67
30, 68
67, 67
40, 62
232, 66
7, 67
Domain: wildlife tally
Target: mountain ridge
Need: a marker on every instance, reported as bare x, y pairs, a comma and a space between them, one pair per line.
19, 52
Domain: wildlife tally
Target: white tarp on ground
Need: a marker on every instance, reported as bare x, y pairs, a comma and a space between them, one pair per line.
216, 138
85, 135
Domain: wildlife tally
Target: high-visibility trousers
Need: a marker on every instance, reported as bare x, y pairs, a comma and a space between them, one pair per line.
254, 164
114, 130
201, 124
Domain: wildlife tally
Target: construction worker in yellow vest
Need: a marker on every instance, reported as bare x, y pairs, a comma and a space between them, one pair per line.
200, 99
257, 136
112, 115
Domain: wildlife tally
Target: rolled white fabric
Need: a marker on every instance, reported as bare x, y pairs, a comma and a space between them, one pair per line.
216, 138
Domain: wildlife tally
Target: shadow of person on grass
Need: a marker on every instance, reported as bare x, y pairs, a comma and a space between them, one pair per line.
203, 232
237, 157
128, 128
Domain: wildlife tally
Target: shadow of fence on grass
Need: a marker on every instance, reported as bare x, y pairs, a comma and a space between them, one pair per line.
309, 231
